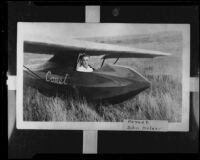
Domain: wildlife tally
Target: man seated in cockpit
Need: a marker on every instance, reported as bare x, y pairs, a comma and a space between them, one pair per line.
84, 64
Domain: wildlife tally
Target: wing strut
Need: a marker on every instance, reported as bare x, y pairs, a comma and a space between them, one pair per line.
103, 62
116, 60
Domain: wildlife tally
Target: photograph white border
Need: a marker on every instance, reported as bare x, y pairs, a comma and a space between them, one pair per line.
20, 124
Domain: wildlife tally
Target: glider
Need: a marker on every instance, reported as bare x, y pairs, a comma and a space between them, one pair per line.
109, 83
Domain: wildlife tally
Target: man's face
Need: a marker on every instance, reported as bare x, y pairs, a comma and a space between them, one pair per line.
85, 62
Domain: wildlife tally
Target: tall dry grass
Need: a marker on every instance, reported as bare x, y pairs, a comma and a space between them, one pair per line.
160, 102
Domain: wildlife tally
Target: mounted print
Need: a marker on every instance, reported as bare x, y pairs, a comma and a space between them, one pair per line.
103, 76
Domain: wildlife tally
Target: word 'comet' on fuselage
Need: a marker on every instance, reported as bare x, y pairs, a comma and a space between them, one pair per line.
55, 79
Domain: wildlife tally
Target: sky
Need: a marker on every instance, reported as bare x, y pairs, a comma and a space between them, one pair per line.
74, 30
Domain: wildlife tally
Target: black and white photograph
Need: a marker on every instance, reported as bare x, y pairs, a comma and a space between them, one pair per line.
100, 76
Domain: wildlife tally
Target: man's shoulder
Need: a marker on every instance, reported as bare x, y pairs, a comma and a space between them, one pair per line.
80, 68
83, 69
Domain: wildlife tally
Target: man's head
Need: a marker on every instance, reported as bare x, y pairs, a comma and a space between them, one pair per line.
84, 60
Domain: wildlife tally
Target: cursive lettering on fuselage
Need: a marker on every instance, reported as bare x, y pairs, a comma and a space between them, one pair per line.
55, 79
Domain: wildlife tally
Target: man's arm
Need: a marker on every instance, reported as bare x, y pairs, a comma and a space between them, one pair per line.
92, 67
78, 68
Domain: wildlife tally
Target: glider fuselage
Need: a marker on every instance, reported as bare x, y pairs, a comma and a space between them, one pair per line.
111, 83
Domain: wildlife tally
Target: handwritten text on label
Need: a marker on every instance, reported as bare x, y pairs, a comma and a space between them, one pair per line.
146, 125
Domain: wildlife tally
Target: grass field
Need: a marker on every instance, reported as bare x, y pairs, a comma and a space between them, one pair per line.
160, 102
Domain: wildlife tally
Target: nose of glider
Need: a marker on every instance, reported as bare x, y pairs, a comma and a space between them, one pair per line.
146, 84
140, 83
